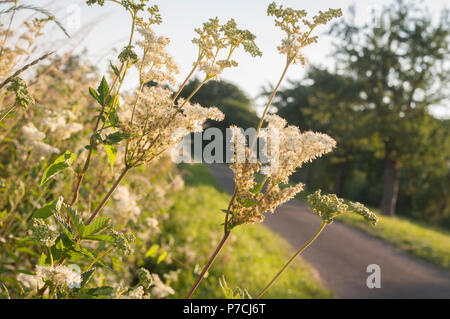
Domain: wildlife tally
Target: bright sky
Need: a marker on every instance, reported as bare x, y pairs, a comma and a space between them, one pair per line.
104, 28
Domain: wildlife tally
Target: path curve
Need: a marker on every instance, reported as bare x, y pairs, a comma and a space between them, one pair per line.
341, 254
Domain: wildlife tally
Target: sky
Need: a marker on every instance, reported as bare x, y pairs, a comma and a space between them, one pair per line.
104, 30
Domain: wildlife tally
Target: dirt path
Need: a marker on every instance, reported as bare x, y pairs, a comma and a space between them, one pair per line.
341, 254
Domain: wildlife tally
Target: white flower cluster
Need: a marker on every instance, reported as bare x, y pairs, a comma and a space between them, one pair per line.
136, 293
58, 124
288, 148
158, 125
59, 275
31, 282
159, 289
156, 64
125, 205
34, 138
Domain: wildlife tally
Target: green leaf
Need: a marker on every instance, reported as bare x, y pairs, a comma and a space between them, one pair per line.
257, 188
61, 163
153, 251
49, 209
86, 276
94, 95
101, 291
75, 220
116, 137
103, 91
98, 225
113, 117
106, 238
162, 256
115, 70
246, 203
111, 151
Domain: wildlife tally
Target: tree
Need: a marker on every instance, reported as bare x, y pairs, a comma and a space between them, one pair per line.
228, 98
402, 67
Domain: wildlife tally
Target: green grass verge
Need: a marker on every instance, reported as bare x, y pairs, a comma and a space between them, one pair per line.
430, 244
250, 258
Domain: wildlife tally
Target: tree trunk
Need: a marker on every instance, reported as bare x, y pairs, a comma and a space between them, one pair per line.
341, 178
391, 181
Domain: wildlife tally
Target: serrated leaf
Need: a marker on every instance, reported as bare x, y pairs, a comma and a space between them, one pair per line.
49, 209
103, 91
61, 163
98, 225
75, 220
111, 152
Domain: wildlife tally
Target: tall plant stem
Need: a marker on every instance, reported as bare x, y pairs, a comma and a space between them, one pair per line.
2, 117
108, 195
121, 79
184, 83
290, 260
261, 121
208, 265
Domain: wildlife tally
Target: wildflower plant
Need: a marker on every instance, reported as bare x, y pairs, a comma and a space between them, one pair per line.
287, 148
74, 188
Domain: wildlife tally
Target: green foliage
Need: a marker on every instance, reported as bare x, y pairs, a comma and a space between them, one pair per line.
204, 221
61, 163
20, 88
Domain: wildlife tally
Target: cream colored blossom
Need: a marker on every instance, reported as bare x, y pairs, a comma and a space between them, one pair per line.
159, 289
156, 64
31, 282
59, 275
158, 125
34, 138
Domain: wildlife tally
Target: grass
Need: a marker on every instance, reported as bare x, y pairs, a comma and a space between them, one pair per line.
250, 258
428, 243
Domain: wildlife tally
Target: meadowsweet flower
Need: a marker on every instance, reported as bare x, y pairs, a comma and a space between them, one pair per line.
59, 275
58, 124
287, 148
152, 225
123, 242
172, 275
31, 282
213, 38
330, 206
125, 205
33, 137
42, 232
156, 64
159, 289
289, 20
158, 125
136, 293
